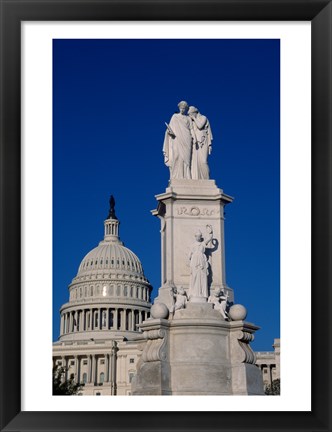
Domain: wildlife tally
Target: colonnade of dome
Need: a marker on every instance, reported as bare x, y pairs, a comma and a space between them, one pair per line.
101, 318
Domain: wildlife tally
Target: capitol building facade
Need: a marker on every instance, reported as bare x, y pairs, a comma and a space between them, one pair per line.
100, 340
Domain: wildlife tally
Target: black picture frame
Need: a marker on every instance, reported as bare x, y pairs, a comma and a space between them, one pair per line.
13, 12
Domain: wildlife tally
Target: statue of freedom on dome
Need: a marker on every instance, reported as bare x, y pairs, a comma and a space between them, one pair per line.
111, 213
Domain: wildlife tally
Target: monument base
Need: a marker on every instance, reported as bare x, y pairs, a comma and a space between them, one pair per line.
197, 353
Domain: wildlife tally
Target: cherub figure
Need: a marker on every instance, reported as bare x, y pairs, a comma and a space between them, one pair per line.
180, 299
219, 301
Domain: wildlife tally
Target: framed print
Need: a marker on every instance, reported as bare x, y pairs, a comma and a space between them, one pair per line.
27, 217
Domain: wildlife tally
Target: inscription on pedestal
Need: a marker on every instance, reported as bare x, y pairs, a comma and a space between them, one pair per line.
196, 211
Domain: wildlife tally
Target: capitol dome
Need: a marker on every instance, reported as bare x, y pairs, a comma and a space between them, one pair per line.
111, 257
110, 293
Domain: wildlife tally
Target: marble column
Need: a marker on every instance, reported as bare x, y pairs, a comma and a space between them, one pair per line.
84, 319
79, 360
90, 319
61, 325
80, 320
93, 319
132, 320
113, 368
94, 367
123, 324
76, 369
115, 319
107, 368
70, 322
89, 369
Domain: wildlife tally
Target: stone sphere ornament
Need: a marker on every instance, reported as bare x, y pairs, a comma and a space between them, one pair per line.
237, 312
159, 310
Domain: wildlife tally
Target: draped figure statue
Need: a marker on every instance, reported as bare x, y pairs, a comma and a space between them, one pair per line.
202, 146
199, 270
177, 149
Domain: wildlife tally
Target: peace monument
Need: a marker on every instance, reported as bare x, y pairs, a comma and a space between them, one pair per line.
197, 339
194, 339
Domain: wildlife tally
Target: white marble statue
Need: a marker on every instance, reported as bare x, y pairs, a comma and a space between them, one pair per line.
180, 299
198, 286
219, 300
177, 148
202, 146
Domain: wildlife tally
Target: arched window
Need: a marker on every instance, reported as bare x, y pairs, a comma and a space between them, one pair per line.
101, 377
119, 318
84, 378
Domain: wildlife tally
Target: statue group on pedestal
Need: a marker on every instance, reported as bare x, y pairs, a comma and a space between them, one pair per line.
199, 270
187, 144
198, 290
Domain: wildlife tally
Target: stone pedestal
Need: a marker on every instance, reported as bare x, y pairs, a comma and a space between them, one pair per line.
197, 353
186, 207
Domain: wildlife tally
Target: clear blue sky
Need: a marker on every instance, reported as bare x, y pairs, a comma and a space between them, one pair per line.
110, 101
